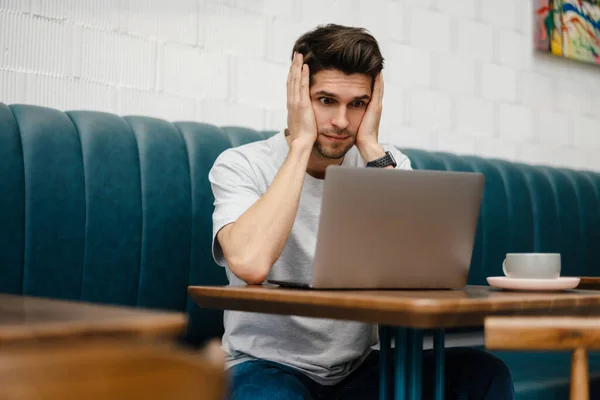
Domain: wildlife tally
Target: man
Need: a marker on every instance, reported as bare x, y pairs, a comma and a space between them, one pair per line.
267, 203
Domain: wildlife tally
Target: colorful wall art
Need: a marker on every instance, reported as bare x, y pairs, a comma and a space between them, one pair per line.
568, 28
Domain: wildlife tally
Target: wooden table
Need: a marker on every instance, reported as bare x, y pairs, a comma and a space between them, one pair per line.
589, 282
32, 318
110, 368
402, 313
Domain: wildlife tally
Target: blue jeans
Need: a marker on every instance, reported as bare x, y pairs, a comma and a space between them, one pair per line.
469, 374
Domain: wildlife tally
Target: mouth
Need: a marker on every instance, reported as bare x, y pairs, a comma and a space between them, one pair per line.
336, 138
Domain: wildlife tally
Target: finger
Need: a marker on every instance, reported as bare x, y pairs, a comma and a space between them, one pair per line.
305, 85
380, 87
291, 71
376, 96
297, 77
291, 92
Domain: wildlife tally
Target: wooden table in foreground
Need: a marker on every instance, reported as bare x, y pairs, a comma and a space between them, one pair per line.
25, 318
405, 313
111, 368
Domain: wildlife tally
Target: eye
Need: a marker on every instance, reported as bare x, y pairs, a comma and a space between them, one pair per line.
358, 104
326, 100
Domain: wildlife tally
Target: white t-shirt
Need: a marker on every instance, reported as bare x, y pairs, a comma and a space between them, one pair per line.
325, 350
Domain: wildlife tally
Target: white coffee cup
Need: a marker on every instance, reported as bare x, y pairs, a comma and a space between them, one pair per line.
532, 265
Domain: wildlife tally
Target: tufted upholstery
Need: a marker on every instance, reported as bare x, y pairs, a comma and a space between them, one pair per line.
118, 210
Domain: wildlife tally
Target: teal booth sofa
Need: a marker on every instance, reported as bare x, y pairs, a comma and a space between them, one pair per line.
117, 210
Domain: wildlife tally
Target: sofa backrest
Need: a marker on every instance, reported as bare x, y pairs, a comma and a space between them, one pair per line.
118, 210
529, 208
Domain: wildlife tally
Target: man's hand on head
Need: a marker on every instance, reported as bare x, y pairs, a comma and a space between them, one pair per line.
302, 126
367, 138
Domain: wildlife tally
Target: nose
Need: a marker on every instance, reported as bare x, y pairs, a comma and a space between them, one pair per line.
339, 120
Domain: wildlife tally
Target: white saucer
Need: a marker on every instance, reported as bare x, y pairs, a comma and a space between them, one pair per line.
541, 285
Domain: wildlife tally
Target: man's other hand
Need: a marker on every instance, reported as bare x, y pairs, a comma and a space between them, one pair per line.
367, 138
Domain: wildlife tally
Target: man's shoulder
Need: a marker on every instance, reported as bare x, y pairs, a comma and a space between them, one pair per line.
244, 151
248, 156
256, 149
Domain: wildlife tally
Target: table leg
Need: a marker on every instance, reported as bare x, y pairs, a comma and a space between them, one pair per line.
415, 363
408, 365
384, 362
401, 363
439, 350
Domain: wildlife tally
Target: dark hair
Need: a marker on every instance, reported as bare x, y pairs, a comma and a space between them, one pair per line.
347, 49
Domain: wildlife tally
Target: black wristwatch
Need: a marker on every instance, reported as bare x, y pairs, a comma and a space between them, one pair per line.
383, 162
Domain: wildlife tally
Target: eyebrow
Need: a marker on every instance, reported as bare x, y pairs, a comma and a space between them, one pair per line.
328, 94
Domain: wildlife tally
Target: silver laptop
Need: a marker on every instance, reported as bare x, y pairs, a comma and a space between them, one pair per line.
395, 229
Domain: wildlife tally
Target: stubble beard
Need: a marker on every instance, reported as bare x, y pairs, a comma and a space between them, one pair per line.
335, 151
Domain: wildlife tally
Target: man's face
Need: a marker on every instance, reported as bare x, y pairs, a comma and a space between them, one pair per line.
339, 102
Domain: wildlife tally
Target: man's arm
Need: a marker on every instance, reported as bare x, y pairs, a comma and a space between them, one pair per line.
367, 138
253, 243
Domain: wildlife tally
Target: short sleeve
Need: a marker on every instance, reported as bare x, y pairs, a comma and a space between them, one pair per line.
235, 190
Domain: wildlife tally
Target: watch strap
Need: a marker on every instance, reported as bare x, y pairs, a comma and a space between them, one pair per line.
382, 162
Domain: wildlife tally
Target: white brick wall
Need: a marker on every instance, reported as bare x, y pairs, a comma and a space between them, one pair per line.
430, 30
475, 39
408, 66
473, 116
499, 83
460, 75
456, 74
515, 122
429, 110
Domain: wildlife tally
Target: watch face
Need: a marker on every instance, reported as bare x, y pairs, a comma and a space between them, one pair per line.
392, 159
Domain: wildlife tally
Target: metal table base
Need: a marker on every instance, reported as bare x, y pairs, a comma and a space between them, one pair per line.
406, 366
